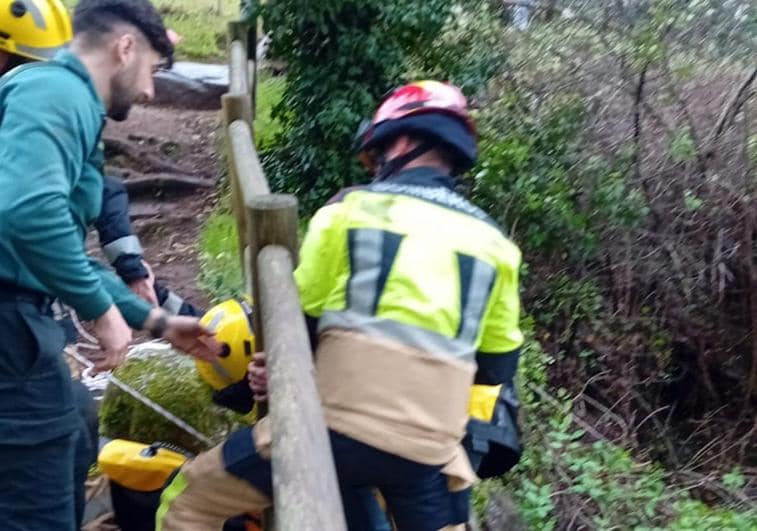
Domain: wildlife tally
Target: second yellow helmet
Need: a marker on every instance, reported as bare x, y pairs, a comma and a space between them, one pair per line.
232, 323
35, 29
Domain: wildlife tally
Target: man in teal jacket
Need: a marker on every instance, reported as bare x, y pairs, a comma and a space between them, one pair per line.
51, 119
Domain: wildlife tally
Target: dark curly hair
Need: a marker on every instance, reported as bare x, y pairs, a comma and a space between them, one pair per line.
95, 18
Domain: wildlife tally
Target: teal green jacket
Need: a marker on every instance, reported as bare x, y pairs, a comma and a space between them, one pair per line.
51, 188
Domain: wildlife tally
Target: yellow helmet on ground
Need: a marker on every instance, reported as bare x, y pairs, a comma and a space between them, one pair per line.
232, 323
35, 29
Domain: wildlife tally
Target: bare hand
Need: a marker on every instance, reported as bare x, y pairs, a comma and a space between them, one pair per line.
145, 287
188, 335
257, 374
114, 336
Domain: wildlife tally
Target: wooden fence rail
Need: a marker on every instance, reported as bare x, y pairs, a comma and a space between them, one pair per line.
306, 493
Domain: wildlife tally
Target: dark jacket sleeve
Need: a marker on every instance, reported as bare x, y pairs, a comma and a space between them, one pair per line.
496, 369
117, 238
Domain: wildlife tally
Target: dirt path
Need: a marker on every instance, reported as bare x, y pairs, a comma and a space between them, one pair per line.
169, 159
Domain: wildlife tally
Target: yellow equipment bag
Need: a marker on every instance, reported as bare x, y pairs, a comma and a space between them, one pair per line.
138, 474
492, 437
482, 400
140, 467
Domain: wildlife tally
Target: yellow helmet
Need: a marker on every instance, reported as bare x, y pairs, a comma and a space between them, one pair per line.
232, 322
35, 29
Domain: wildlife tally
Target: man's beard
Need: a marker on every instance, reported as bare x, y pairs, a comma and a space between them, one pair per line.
121, 97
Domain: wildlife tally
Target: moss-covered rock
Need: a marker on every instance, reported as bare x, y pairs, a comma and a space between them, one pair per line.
169, 379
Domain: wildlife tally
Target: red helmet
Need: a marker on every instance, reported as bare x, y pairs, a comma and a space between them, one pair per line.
431, 109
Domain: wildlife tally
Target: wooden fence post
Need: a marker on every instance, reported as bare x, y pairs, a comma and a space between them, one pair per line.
305, 487
271, 220
236, 106
239, 69
238, 30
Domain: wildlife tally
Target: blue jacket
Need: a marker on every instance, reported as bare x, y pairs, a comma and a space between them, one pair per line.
123, 250
117, 238
51, 188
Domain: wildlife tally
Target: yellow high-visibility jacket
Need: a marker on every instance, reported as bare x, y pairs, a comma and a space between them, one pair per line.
412, 264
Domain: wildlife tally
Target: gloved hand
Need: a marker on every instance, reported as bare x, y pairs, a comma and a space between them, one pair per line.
237, 397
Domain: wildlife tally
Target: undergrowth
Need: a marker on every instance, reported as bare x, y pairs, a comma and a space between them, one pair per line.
220, 266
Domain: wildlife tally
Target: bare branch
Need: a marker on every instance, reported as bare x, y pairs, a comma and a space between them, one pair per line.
730, 110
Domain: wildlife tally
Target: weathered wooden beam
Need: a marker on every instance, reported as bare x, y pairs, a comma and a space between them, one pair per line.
237, 30
239, 69
305, 488
271, 220
236, 108
252, 180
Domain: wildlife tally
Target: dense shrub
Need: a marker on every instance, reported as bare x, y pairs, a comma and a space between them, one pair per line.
342, 56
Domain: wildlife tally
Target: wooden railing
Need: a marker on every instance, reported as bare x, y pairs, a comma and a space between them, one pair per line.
306, 492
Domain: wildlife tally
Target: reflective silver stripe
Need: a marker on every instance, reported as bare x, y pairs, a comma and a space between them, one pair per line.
40, 53
216, 321
367, 245
173, 303
482, 279
126, 245
409, 335
39, 19
221, 371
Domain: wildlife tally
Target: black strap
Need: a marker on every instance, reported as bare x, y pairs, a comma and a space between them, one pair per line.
10, 292
152, 450
391, 167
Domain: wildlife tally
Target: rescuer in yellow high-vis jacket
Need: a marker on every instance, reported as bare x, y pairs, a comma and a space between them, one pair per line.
411, 294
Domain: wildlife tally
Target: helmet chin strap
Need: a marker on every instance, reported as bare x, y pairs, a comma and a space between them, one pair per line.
388, 168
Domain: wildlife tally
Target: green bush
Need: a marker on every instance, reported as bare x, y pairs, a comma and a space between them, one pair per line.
342, 56
269, 93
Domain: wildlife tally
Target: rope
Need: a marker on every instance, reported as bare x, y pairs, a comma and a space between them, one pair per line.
97, 383
80, 328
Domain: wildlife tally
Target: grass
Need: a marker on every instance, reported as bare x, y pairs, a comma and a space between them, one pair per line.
220, 267
220, 270
200, 23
